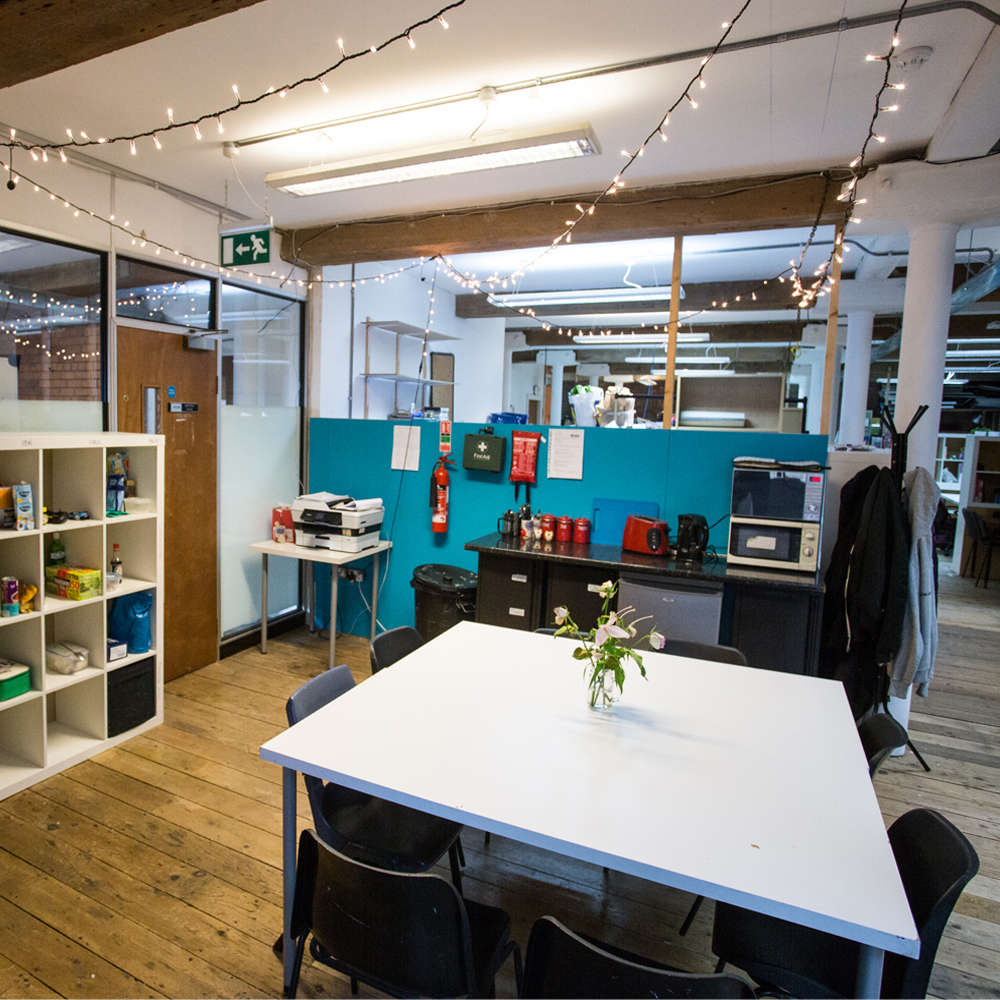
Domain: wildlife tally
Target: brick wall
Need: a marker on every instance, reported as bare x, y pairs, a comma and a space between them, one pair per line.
68, 374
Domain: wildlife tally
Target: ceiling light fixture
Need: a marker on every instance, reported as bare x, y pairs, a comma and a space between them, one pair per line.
685, 360
535, 146
583, 296
599, 340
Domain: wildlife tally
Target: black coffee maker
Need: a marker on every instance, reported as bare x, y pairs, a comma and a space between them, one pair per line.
692, 538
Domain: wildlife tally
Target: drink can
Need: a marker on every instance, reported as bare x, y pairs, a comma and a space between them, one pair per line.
8, 597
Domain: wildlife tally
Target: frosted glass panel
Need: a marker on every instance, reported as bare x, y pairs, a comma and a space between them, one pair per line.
50, 415
259, 469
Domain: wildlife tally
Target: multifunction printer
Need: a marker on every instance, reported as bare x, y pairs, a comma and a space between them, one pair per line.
340, 523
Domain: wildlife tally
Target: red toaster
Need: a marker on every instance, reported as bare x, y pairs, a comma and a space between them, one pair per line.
646, 534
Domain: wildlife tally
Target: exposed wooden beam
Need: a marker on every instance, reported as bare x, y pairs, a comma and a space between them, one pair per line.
771, 202
42, 36
746, 296
675, 298
831, 343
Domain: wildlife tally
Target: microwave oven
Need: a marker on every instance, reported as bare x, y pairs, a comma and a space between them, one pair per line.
776, 544
775, 518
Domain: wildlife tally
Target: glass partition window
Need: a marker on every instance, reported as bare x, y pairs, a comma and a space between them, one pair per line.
260, 434
162, 295
51, 336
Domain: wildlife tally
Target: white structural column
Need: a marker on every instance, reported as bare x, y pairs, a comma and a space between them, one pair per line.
926, 311
857, 362
558, 360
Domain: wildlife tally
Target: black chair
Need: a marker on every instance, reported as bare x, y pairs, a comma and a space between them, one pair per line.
880, 734
403, 934
935, 861
560, 963
981, 534
704, 651
387, 648
364, 827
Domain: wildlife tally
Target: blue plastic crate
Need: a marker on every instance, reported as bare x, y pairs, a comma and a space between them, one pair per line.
507, 418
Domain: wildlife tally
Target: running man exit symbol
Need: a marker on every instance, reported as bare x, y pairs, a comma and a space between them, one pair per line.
246, 248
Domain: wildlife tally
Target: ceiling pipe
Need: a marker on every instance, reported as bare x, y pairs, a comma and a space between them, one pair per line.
832, 27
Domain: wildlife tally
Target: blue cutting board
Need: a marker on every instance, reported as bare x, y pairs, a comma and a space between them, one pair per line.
608, 521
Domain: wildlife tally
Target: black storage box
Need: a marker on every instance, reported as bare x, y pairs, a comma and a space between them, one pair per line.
131, 696
442, 596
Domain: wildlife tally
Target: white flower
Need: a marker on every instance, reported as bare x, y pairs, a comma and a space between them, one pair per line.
657, 641
607, 588
561, 614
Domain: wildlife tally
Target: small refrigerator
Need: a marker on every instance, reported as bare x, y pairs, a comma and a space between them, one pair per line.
691, 612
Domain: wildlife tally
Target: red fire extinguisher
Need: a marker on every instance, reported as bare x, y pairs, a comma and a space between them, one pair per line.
439, 493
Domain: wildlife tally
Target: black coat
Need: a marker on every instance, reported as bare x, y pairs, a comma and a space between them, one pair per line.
866, 587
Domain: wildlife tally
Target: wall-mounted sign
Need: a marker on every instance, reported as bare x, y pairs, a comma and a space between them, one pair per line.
171, 391
183, 407
246, 248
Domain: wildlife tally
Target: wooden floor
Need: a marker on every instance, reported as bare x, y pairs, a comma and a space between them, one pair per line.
154, 869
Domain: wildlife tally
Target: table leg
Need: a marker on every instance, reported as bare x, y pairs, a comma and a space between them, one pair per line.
288, 841
333, 615
263, 602
869, 981
310, 596
374, 597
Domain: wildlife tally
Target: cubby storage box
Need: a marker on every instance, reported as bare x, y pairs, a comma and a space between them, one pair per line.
131, 696
56, 720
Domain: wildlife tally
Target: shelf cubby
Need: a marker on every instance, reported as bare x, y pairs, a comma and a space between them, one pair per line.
63, 719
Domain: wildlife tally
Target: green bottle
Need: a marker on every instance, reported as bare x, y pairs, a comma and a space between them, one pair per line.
57, 552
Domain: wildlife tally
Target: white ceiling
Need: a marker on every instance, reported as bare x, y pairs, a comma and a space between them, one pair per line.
791, 105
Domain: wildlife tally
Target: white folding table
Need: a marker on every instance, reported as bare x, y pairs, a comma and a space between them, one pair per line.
310, 555
747, 786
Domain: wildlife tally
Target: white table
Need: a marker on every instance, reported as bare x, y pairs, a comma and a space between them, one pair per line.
748, 786
310, 555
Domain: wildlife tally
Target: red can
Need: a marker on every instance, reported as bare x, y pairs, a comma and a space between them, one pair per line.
581, 530
548, 527
564, 529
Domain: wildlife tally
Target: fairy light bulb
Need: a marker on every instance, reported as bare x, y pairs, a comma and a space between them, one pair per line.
156, 141
444, 23
891, 107
871, 57
131, 146
84, 136
895, 41
323, 86
170, 115
879, 138
62, 155
221, 129
236, 91
34, 155
373, 48
197, 133
45, 157
691, 101
340, 44
701, 81
411, 42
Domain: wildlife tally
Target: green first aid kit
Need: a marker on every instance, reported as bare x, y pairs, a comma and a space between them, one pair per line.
483, 451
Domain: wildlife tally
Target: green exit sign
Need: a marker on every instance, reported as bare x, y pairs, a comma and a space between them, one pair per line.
251, 247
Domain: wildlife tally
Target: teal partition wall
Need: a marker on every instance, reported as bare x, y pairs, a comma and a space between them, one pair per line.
683, 472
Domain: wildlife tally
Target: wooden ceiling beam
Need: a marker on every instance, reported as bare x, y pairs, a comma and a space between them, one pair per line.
42, 36
771, 202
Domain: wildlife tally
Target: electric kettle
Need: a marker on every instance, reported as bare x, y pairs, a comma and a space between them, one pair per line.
692, 538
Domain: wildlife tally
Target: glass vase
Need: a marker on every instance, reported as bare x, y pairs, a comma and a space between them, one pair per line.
602, 691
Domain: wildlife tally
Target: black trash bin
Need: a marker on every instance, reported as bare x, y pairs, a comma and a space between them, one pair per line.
443, 596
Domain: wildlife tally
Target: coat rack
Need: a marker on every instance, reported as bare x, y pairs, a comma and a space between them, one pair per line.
899, 446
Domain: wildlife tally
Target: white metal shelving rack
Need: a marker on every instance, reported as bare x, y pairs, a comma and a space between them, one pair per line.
398, 329
63, 719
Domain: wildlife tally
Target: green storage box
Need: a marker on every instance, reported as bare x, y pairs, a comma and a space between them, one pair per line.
15, 679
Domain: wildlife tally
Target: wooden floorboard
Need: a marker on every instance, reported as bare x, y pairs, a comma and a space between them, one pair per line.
154, 869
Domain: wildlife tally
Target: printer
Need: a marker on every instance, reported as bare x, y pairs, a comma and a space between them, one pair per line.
340, 523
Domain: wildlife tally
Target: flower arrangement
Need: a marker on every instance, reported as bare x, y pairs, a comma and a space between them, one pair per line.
602, 649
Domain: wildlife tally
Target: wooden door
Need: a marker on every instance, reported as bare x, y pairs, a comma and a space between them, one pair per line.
149, 364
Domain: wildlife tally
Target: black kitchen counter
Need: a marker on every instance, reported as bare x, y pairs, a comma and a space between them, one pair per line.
618, 560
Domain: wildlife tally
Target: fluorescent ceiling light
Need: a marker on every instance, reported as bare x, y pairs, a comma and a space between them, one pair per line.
596, 339
972, 354
583, 296
682, 361
536, 146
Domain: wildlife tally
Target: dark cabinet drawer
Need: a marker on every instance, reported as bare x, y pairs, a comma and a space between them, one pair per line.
508, 593
577, 588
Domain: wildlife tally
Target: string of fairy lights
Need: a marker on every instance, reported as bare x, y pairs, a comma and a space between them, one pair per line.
805, 291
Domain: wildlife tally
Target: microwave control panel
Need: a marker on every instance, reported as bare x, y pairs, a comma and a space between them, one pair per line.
812, 507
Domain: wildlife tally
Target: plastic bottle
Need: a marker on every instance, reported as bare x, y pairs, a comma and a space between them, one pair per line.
115, 576
57, 552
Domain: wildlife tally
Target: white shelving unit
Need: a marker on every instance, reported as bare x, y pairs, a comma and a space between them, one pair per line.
397, 329
948, 465
64, 718
980, 488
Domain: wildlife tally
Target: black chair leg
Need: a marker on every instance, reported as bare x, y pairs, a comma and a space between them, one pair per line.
293, 986
720, 966
984, 572
456, 871
692, 913
486, 839
971, 559
461, 853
